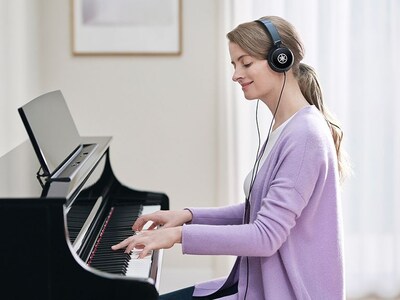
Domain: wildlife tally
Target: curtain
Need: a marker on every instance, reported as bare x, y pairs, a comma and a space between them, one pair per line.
19, 64
354, 46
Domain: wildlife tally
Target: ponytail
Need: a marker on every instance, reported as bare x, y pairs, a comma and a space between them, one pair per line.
311, 89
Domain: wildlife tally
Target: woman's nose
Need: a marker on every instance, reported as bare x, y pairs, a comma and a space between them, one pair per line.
236, 75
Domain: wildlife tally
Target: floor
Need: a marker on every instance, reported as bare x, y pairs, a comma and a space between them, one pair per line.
374, 298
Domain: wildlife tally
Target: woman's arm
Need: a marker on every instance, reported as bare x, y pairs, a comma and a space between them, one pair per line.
277, 216
228, 215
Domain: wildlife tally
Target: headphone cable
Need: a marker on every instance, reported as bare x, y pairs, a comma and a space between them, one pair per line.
260, 155
255, 169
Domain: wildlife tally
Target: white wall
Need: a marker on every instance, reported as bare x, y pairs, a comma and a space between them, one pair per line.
161, 111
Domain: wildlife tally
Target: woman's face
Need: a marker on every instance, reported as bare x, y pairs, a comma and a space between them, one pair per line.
254, 75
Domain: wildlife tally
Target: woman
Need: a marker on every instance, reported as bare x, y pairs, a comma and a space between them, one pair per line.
287, 234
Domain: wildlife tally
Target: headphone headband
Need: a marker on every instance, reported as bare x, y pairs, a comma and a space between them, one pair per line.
270, 29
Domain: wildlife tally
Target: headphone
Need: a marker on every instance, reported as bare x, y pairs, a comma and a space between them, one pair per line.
279, 58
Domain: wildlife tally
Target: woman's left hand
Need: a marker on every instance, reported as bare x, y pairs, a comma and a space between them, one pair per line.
147, 240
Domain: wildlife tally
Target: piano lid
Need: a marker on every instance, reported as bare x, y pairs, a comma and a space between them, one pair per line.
18, 169
18, 173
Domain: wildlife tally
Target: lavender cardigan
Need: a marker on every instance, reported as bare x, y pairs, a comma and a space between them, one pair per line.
294, 239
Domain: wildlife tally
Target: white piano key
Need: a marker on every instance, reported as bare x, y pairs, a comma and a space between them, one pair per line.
148, 209
139, 267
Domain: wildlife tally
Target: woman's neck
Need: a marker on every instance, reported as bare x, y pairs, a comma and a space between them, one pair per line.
292, 101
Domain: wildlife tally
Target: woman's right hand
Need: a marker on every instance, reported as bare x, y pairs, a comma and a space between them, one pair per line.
166, 218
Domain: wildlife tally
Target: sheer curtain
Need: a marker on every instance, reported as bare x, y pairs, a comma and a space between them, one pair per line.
19, 66
354, 46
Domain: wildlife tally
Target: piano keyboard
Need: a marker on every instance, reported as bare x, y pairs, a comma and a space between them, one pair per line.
116, 227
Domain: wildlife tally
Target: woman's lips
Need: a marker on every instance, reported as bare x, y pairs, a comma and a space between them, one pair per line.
245, 85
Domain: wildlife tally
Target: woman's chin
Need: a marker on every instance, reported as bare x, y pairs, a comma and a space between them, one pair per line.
250, 97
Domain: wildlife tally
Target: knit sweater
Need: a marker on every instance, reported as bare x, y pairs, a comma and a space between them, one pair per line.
293, 243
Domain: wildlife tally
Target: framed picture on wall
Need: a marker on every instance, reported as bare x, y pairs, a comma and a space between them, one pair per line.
124, 27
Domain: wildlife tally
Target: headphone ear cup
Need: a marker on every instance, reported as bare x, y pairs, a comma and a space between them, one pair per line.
280, 59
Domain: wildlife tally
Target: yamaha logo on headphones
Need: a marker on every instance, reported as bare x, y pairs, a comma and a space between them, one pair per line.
282, 58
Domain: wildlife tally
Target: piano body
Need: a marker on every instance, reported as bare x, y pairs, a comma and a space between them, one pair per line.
57, 232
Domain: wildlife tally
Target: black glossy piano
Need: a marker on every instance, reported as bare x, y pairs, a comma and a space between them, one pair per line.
58, 221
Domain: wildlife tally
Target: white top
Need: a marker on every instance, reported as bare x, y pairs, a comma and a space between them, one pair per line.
271, 142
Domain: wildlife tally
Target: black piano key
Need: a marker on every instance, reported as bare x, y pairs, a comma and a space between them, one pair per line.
108, 262
77, 216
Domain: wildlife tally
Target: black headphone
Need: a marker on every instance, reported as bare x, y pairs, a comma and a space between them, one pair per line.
280, 58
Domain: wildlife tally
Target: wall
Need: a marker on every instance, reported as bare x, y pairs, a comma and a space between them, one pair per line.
19, 67
160, 110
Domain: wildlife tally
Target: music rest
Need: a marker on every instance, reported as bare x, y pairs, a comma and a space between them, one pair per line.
54, 136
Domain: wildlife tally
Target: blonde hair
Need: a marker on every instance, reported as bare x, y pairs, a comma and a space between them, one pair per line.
253, 39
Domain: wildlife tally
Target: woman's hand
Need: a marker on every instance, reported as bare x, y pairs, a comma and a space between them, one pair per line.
165, 218
148, 240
